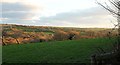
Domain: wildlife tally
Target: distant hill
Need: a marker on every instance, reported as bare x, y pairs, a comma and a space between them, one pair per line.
18, 34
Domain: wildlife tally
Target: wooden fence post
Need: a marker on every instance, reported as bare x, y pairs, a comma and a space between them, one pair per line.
93, 60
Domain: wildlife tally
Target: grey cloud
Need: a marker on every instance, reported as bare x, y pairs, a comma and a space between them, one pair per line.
16, 11
15, 21
78, 14
92, 16
6, 7
17, 15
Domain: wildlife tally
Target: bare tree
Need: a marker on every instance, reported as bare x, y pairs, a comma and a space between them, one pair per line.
114, 9
3, 35
17, 34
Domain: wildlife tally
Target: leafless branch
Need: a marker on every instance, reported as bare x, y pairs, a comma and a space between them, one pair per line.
111, 10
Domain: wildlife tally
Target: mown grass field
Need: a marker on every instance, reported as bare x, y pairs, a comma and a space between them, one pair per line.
75, 51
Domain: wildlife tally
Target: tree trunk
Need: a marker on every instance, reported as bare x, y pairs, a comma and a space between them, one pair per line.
17, 41
3, 43
118, 19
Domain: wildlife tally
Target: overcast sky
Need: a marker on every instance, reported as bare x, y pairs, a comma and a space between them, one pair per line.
65, 13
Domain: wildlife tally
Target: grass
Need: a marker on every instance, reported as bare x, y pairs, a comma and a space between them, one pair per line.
75, 51
0, 54
48, 32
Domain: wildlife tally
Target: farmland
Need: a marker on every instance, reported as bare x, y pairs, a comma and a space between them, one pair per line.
72, 51
44, 44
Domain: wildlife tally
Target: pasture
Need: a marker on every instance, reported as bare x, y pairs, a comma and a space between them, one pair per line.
68, 51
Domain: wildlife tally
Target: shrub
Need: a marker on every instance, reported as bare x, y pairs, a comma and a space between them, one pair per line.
10, 40
73, 35
60, 35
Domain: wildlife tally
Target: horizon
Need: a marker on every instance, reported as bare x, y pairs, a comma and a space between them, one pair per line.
56, 13
57, 26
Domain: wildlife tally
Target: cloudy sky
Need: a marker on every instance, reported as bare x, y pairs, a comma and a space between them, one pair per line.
65, 13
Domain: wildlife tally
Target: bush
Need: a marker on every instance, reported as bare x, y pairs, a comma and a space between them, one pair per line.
9, 40
60, 35
73, 35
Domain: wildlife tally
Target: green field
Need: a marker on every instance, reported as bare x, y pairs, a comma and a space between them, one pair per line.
75, 51
0, 54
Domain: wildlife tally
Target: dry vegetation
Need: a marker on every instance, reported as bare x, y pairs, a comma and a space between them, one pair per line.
19, 34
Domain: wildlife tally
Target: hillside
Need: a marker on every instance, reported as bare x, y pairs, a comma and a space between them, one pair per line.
20, 34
